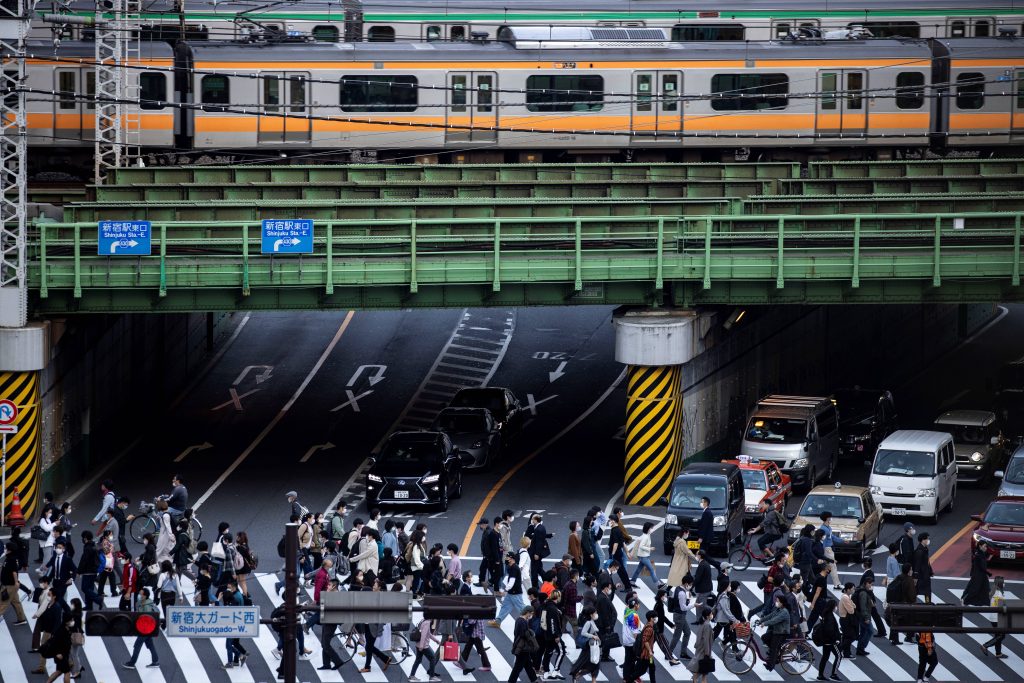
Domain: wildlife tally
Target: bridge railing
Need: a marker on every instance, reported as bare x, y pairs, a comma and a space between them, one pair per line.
572, 250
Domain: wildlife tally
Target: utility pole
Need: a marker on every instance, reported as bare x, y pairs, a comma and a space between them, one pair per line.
291, 592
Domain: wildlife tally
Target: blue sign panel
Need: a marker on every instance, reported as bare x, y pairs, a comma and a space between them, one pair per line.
287, 236
188, 621
124, 238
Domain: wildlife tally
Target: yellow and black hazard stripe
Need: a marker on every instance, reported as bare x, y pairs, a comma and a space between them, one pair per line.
654, 431
22, 448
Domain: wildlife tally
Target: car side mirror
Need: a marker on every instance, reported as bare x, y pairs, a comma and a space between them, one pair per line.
860, 520
791, 516
998, 474
372, 460
773, 487
994, 441
663, 501
975, 518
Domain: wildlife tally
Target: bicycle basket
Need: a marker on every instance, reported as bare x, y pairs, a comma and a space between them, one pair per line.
743, 630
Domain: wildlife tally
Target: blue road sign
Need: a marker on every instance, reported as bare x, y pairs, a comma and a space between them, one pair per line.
287, 236
124, 238
188, 621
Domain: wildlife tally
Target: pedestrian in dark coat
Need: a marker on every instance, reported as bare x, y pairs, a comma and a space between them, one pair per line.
978, 591
923, 568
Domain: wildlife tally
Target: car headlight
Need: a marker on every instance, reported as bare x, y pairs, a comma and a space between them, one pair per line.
846, 535
374, 477
750, 508
478, 444
430, 479
976, 456
671, 519
719, 520
978, 537
926, 493
861, 437
875, 490
800, 462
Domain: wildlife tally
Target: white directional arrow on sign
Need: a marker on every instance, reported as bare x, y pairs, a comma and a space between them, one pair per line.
115, 245
559, 371
313, 449
377, 376
285, 243
199, 447
261, 377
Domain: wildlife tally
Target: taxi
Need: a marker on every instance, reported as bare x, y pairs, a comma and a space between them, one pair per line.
762, 481
856, 517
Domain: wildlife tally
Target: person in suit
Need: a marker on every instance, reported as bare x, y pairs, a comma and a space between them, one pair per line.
923, 568
61, 571
606, 619
702, 586
539, 549
706, 525
490, 553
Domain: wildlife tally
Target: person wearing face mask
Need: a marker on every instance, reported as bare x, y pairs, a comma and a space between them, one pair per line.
58, 647
682, 602
778, 624
702, 664
906, 544
923, 568
149, 568
631, 627
61, 571
706, 525
662, 609
9, 567
645, 658
120, 516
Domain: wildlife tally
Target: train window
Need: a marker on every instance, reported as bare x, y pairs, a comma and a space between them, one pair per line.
909, 90
215, 90
271, 93
970, 90
748, 92
433, 33
90, 89
1020, 90
957, 29
890, 29
643, 92
686, 32
484, 92
669, 92
67, 84
457, 33
381, 34
325, 34
854, 88
782, 29
379, 93
297, 94
564, 93
828, 90
982, 28
459, 95
153, 90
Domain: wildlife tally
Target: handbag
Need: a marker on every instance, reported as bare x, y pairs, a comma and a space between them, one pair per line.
78, 638
4, 595
611, 640
595, 653
217, 550
450, 652
38, 533
706, 665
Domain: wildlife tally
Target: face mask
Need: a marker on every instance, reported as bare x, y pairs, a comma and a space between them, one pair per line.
59, 551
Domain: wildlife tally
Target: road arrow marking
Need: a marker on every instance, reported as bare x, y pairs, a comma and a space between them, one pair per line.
314, 449
377, 376
263, 375
285, 243
200, 447
559, 371
236, 399
353, 400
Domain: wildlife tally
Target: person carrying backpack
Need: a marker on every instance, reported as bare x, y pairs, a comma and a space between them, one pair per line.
826, 636
864, 599
524, 647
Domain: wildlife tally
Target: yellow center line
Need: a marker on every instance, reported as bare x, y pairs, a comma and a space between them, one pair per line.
482, 510
950, 542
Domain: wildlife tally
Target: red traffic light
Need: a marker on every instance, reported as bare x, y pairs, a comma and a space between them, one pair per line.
121, 624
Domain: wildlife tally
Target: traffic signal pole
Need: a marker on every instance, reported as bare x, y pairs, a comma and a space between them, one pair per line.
291, 592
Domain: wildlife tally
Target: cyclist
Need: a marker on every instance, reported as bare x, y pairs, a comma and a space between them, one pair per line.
771, 524
177, 499
777, 621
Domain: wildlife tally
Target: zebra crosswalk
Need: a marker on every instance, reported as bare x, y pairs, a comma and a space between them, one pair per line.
201, 661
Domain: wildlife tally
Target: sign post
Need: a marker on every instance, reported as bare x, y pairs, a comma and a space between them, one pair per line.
8, 414
124, 238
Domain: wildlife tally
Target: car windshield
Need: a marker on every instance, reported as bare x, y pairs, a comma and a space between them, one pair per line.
462, 424
966, 434
838, 505
776, 430
754, 479
1015, 472
855, 403
494, 401
410, 454
905, 463
1010, 514
688, 495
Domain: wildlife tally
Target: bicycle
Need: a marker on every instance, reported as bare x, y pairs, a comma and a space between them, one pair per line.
741, 557
352, 641
795, 656
148, 522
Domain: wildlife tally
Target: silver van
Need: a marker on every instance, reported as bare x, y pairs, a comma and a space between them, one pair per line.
914, 474
798, 433
1013, 477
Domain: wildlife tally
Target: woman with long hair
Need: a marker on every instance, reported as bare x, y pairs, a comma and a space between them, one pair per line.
168, 586
77, 638
242, 548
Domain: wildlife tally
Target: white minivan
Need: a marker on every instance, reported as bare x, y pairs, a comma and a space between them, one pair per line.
914, 474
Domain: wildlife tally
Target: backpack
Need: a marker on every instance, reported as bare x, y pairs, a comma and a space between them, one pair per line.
254, 561
762, 581
238, 562
281, 547
892, 591
343, 544
818, 635
638, 645
526, 644
277, 619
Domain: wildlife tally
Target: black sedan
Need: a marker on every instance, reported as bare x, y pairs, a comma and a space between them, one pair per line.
505, 408
866, 417
472, 430
416, 468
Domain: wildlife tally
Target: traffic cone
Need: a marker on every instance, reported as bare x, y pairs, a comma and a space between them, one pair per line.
16, 518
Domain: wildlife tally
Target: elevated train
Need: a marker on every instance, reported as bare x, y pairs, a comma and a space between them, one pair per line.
549, 94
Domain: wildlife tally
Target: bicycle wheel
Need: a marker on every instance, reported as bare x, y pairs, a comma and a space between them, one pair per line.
741, 662
399, 648
354, 645
796, 657
197, 528
349, 645
141, 526
739, 558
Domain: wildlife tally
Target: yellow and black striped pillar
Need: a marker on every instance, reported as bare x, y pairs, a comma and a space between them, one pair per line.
23, 447
654, 431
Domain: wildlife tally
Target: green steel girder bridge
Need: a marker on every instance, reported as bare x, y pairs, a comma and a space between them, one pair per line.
643, 234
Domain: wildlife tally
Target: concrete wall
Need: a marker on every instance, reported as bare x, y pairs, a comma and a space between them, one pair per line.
813, 350
110, 375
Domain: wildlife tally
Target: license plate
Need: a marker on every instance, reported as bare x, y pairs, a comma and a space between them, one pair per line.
1007, 555
899, 512
401, 494
693, 545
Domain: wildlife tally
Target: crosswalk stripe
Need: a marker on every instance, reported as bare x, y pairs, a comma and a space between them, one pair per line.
11, 670
95, 650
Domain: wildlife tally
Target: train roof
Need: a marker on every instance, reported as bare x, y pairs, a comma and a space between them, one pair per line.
86, 50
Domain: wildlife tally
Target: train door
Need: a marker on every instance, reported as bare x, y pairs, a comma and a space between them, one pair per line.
472, 111
657, 104
1017, 106
284, 107
842, 106
69, 106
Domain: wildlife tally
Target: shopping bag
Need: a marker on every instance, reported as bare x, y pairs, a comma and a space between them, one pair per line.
595, 653
451, 652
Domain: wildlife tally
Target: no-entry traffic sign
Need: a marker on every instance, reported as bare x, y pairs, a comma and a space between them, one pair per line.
8, 411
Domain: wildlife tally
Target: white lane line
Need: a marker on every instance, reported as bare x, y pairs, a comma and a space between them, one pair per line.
280, 414
10, 664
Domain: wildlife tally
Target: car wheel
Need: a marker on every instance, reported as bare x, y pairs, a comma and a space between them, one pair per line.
458, 489
812, 479
443, 504
863, 550
952, 498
